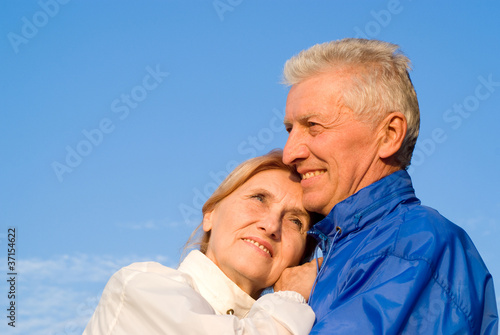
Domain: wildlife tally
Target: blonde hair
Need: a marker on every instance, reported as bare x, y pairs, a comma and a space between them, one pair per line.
240, 175
380, 82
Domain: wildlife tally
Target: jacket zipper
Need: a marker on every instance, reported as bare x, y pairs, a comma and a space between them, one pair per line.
324, 245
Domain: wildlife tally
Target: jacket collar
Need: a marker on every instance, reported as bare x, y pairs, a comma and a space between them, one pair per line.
364, 207
220, 291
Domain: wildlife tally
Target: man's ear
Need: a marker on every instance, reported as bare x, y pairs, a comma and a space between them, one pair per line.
393, 132
207, 221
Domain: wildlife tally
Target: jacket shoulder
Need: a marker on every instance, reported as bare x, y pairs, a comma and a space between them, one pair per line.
424, 233
152, 272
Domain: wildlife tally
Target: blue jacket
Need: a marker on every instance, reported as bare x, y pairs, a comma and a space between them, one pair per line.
393, 266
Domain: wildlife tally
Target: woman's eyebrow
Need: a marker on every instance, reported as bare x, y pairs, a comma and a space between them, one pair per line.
297, 211
262, 191
271, 197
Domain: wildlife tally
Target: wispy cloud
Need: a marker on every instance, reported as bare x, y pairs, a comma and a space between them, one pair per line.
150, 224
47, 309
59, 295
65, 269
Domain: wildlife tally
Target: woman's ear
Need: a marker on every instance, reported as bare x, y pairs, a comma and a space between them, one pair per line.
207, 221
393, 132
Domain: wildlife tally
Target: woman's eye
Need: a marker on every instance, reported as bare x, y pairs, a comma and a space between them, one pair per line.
259, 197
297, 222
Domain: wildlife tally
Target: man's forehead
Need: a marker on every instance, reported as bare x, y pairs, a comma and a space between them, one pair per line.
323, 105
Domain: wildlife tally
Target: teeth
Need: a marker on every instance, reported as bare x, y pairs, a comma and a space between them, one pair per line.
258, 245
312, 174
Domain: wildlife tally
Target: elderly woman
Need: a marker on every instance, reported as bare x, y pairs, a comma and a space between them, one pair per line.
254, 227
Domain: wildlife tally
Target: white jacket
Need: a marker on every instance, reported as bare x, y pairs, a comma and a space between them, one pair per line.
149, 298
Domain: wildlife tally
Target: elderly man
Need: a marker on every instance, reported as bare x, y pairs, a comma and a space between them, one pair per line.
390, 264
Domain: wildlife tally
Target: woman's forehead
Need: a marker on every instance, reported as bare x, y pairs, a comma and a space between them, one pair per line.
273, 179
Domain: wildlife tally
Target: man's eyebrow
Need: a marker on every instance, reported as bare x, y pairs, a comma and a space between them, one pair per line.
301, 118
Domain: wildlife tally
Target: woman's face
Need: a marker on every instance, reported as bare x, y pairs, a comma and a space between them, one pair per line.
258, 230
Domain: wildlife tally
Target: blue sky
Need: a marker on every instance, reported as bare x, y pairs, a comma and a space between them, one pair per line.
118, 119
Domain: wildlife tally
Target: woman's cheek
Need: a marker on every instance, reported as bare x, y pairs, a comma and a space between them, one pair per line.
295, 253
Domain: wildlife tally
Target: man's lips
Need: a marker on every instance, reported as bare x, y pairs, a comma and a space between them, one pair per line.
261, 244
309, 174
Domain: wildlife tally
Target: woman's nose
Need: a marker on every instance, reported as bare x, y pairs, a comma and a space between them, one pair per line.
271, 225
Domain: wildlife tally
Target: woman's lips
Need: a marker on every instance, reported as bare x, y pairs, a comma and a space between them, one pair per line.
259, 243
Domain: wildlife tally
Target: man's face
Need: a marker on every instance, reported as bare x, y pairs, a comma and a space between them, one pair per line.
335, 153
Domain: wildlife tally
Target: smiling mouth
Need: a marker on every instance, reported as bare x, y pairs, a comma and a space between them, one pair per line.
312, 174
260, 246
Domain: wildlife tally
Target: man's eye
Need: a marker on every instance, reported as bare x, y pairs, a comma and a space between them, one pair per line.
288, 129
314, 128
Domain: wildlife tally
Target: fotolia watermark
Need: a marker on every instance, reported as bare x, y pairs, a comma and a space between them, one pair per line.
453, 116
223, 6
250, 147
30, 27
94, 137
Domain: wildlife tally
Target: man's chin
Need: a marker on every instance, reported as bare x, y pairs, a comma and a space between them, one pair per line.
315, 204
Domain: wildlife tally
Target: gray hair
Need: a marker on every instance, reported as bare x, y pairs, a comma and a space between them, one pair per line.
380, 84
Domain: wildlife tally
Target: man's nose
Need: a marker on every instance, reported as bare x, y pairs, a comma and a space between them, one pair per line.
295, 148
